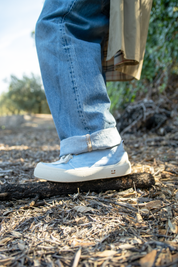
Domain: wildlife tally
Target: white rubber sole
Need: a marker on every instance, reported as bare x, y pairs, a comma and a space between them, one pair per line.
50, 173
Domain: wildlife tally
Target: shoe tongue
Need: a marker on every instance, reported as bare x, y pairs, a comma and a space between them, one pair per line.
64, 159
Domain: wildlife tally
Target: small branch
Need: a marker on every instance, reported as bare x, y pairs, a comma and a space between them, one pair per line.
49, 189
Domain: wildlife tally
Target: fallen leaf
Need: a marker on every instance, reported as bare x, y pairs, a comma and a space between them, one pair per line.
7, 212
173, 244
106, 253
83, 209
164, 257
174, 257
126, 246
5, 240
136, 241
21, 246
155, 204
77, 258
145, 211
167, 191
81, 243
37, 263
173, 227
16, 234
139, 218
162, 196
126, 192
149, 259
162, 231
175, 239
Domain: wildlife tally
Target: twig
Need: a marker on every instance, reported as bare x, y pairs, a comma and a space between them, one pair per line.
131, 125
77, 258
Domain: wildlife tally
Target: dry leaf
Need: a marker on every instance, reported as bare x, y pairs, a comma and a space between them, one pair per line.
149, 259
162, 231
173, 227
37, 263
106, 253
7, 212
21, 246
145, 211
173, 244
126, 192
83, 209
16, 234
77, 258
81, 243
167, 191
126, 246
136, 241
175, 239
164, 257
155, 204
162, 196
139, 218
5, 240
174, 257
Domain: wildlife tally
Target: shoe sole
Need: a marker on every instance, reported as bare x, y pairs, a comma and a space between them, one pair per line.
82, 174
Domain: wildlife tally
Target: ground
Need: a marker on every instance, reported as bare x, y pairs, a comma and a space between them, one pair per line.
135, 227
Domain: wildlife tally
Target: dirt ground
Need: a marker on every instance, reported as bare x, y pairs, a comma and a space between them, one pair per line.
135, 227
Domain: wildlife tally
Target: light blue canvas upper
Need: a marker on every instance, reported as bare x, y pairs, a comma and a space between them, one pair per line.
96, 158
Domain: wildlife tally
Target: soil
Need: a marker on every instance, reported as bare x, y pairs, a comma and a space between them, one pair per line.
134, 227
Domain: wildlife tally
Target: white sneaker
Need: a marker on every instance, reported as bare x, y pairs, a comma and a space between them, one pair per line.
99, 164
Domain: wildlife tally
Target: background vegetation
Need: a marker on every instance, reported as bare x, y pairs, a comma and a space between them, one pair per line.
24, 96
160, 64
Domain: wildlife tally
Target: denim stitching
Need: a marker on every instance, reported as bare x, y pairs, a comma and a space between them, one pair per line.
70, 8
72, 73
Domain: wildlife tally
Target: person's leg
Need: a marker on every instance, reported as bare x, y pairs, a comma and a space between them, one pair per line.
69, 35
68, 38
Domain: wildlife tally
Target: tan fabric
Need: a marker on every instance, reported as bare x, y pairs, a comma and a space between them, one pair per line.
129, 20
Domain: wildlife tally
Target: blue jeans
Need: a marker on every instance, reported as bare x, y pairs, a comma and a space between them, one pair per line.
69, 39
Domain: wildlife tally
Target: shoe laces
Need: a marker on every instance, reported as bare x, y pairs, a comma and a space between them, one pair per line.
64, 159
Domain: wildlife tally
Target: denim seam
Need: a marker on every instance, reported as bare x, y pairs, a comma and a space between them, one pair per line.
66, 45
70, 8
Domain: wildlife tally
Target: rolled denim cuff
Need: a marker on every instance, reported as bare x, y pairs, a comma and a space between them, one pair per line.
85, 143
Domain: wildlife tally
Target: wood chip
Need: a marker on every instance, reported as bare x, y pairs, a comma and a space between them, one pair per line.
149, 259
88, 228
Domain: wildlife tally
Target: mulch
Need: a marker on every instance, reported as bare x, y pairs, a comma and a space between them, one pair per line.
133, 227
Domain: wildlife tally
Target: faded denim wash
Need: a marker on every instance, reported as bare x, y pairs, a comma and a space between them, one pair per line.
69, 36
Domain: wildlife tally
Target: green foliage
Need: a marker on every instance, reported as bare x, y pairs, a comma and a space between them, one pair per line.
26, 95
161, 56
162, 49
